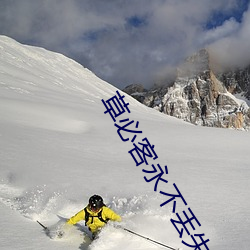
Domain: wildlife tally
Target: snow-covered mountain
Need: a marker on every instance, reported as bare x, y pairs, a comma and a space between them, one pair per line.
201, 95
58, 148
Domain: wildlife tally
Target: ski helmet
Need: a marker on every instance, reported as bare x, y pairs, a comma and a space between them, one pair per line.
96, 202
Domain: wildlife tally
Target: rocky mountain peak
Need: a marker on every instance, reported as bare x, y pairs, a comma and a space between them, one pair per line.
196, 64
200, 96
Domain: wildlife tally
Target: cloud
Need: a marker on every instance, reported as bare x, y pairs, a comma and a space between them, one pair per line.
126, 42
228, 28
233, 48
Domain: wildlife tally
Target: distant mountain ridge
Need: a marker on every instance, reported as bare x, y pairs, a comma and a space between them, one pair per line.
201, 95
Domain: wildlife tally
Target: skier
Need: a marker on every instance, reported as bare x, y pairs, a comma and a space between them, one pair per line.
95, 214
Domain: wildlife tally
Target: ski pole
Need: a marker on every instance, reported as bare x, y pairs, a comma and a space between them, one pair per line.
45, 228
148, 239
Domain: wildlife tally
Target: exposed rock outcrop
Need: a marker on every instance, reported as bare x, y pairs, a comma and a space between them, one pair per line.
199, 96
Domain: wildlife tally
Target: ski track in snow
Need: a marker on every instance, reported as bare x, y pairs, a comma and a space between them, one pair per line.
43, 117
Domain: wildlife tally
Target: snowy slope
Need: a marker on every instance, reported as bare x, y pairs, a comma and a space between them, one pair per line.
58, 148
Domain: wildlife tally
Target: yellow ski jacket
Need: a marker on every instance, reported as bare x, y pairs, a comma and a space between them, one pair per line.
94, 223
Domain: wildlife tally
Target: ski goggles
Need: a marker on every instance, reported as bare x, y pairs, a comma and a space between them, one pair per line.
94, 208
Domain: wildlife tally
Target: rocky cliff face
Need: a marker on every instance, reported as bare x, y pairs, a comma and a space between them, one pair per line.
237, 81
200, 96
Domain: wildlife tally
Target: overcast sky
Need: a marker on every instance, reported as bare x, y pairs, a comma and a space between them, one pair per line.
131, 41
